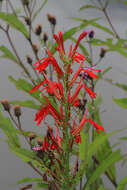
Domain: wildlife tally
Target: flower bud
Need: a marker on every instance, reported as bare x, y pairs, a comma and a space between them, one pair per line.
25, 2
45, 37
17, 111
91, 34
32, 136
29, 60
6, 105
35, 47
51, 19
103, 52
27, 20
38, 29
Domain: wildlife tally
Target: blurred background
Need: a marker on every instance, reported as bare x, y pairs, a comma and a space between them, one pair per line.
113, 117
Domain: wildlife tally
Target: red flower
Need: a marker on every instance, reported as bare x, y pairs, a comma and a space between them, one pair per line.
98, 127
90, 92
42, 114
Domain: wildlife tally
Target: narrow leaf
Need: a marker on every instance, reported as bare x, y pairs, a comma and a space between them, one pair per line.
122, 102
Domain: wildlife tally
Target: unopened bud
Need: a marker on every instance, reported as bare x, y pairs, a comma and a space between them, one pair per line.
17, 111
103, 52
25, 2
51, 19
91, 34
32, 136
27, 20
35, 47
45, 37
29, 60
6, 105
39, 142
38, 29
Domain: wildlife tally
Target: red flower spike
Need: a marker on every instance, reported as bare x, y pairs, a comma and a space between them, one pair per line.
82, 35
98, 127
61, 40
53, 111
37, 86
41, 114
72, 99
76, 75
39, 61
90, 92
91, 74
42, 66
81, 124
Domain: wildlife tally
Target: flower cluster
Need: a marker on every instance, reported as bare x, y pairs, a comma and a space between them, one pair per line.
62, 94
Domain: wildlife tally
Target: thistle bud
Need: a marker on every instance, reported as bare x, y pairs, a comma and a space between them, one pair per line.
91, 34
38, 29
17, 111
32, 136
45, 37
29, 60
39, 142
27, 20
51, 19
25, 2
103, 52
35, 47
6, 105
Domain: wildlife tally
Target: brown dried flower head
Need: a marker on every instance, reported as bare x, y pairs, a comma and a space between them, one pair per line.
32, 136
103, 52
51, 19
35, 47
29, 60
38, 29
6, 105
45, 37
17, 111
27, 20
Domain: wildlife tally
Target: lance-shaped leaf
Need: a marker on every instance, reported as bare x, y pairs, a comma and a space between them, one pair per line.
26, 103
14, 22
28, 180
122, 184
104, 165
9, 130
122, 102
8, 54
89, 7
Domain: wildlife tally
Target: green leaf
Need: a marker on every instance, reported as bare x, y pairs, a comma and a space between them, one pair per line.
40, 186
7, 54
38, 11
122, 184
93, 148
28, 179
25, 154
82, 146
104, 165
122, 102
25, 86
14, 22
26, 103
123, 138
9, 130
122, 86
89, 7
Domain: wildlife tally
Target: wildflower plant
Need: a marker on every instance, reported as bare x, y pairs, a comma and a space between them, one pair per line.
62, 102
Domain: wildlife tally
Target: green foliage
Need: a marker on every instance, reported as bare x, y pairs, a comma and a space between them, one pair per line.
39, 10
28, 180
104, 165
14, 22
8, 54
88, 7
26, 103
8, 129
122, 184
122, 102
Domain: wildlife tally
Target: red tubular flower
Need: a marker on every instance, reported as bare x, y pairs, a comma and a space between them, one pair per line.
83, 121
90, 92
61, 41
45, 145
73, 98
37, 86
90, 73
76, 75
42, 114
82, 35
98, 127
